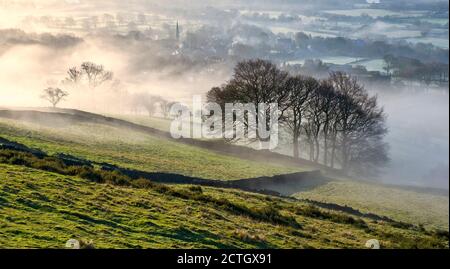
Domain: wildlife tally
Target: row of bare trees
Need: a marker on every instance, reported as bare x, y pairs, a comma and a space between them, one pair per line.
153, 104
93, 74
88, 74
335, 119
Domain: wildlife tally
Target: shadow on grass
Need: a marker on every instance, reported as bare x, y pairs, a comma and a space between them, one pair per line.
203, 237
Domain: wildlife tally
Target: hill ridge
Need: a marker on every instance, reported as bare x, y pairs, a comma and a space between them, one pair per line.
62, 116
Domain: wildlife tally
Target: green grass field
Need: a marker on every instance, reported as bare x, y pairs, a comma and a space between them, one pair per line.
425, 209
42, 209
429, 210
136, 150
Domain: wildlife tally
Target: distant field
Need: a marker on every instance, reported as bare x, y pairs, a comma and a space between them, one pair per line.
372, 65
286, 30
427, 209
375, 13
323, 34
339, 60
436, 21
43, 210
439, 42
272, 14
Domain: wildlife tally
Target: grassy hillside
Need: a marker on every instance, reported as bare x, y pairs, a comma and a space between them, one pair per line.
41, 209
154, 122
426, 209
135, 150
429, 210
143, 152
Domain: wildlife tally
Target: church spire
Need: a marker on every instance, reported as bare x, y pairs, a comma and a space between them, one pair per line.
178, 32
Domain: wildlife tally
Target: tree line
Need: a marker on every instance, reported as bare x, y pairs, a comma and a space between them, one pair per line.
413, 69
332, 121
89, 76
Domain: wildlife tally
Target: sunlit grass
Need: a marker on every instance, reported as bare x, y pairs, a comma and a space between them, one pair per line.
430, 210
136, 150
43, 210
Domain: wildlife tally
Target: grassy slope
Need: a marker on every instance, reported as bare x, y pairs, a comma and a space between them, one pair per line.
41, 209
143, 152
419, 208
135, 150
153, 122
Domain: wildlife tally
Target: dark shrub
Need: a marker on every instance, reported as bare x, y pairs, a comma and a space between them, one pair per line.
142, 183
89, 174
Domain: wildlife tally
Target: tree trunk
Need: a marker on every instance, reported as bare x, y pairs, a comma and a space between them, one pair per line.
297, 128
317, 150
344, 154
333, 150
296, 146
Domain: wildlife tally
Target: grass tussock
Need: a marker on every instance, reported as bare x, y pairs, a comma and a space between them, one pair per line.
314, 212
248, 236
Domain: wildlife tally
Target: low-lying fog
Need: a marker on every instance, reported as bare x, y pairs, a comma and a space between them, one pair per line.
418, 136
27, 69
32, 60
417, 120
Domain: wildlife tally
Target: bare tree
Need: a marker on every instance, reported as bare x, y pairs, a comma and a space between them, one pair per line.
315, 121
96, 74
360, 120
349, 112
328, 107
388, 64
150, 103
336, 117
254, 82
300, 89
54, 95
74, 76
165, 107
368, 151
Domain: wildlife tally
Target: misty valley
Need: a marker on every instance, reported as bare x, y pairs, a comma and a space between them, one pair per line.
224, 124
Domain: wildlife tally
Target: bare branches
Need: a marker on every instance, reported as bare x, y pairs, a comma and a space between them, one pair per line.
300, 90
151, 103
54, 95
335, 116
95, 75
74, 75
